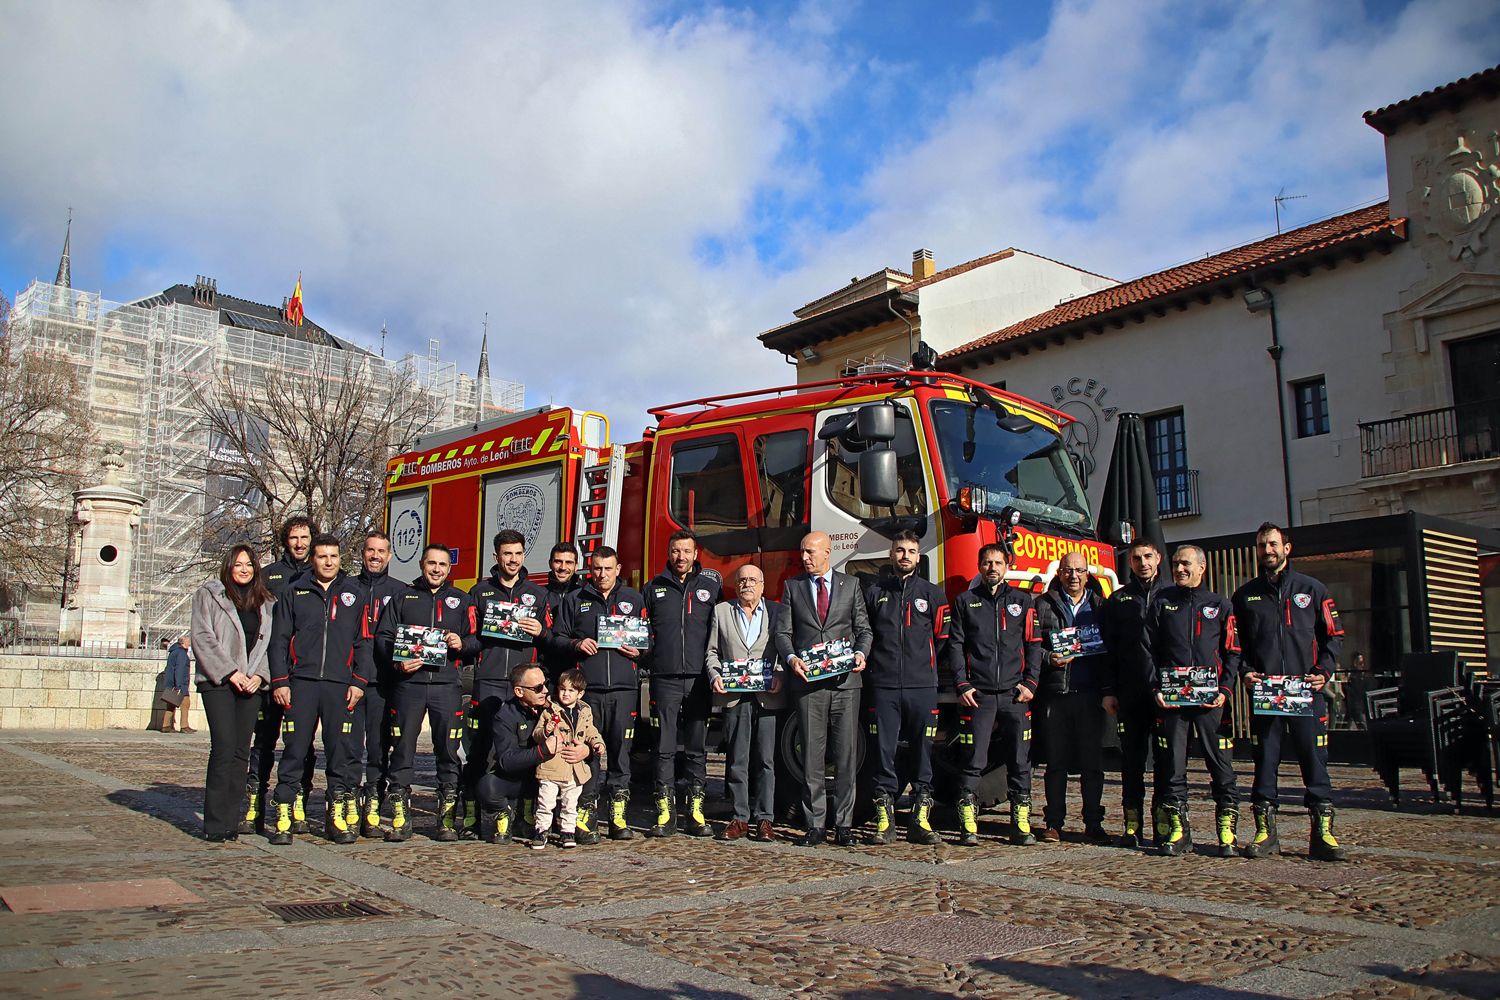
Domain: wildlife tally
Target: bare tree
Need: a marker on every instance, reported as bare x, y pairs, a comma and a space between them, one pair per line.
304, 440
44, 438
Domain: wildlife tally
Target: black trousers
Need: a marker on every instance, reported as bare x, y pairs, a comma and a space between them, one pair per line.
679, 705
443, 704
494, 791
1002, 715
263, 750
314, 702
231, 724
1174, 728
372, 736
897, 714
483, 704
1136, 724
1308, 737
1073, 732
615, 713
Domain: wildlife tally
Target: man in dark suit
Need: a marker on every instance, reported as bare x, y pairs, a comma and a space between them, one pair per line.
825, 608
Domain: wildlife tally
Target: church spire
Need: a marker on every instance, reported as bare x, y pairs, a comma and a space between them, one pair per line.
65, 265
482, 383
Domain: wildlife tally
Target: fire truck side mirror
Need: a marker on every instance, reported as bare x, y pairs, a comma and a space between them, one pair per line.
876, 423
878, 485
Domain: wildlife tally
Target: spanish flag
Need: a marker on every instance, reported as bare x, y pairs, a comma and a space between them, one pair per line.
294, 304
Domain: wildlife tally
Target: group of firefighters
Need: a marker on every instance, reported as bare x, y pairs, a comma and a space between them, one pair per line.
544, 701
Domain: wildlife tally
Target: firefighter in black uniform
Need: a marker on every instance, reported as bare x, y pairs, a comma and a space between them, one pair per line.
1129, 688
431, 602
909, 617
512, 769
1288, 626
506, 592
680, 603
372, 721
296, 549
613, 692
1191, 626
996, 658
563, 579
320, 664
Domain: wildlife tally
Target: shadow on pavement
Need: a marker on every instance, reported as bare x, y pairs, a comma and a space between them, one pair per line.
1473, 983
1095, 979
591, 986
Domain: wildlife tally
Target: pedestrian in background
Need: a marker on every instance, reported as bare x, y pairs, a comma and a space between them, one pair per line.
231, 630
175, 687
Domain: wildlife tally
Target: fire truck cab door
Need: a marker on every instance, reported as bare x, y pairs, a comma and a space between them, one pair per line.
861, 533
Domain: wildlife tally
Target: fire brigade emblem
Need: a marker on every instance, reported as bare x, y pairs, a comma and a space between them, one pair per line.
704, 595
528, 599
521, 508
452, 602
1210, 613
1014, 609
1302, 600
626, 607
920, 604
347, 598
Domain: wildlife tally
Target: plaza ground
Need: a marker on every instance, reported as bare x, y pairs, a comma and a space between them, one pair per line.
112, 894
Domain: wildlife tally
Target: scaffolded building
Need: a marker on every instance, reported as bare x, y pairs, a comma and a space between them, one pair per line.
142, 366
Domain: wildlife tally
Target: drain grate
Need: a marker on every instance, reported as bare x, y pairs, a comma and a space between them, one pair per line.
337, 909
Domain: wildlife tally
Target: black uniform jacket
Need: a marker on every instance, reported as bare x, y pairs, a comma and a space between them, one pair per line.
555, 658
382, 588
680, 614
608, 669
993, 645
909, 616
1128, 668
1288, 625
447, 608
1193, 627
516, 750
278, 576
497, 657
321, 635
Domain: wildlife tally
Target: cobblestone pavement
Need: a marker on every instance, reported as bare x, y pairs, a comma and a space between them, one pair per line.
144, 907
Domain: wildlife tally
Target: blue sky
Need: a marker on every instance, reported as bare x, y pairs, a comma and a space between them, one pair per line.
632, 190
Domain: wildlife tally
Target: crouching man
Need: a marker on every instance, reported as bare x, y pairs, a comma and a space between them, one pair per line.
517, 753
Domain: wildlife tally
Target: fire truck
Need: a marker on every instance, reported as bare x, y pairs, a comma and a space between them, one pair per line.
862, 457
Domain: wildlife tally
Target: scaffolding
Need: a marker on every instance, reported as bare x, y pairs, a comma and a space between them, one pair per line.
142, 368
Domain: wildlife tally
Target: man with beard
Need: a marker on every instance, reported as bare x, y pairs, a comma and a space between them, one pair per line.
1289, 627
680, 603
563, 579
1129, 680
506, 593
371, 741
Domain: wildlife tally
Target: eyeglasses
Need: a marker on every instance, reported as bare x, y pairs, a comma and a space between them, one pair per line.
533, 688
752, 583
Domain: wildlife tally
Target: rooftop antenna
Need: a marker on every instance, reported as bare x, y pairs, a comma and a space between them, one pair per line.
1282, 196
382, 338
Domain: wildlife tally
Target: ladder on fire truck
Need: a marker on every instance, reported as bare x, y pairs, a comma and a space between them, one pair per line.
599, 494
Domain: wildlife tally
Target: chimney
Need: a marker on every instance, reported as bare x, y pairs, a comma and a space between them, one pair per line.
922, 265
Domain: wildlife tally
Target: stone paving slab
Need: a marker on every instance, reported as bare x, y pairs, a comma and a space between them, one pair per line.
1416, 913
103, 895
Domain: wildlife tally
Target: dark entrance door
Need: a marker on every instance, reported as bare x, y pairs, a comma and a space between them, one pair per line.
1475, 364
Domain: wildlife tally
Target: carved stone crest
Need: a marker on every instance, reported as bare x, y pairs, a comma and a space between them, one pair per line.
1460, 190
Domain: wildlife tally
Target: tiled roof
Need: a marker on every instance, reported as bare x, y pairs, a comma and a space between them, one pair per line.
957, 269
1287, 248
1450, 96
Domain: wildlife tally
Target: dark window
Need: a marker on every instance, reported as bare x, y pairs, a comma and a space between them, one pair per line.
781, 470
1166, 441
708, 486
843, 476
1311, 398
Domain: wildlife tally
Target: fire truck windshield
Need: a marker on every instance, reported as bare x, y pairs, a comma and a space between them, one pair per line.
1030, 470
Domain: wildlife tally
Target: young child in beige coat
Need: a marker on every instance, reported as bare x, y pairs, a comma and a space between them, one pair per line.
559, 783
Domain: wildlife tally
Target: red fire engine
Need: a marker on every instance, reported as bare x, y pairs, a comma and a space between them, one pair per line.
860, 458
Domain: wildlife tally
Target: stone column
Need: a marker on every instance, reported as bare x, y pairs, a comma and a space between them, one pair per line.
102, 608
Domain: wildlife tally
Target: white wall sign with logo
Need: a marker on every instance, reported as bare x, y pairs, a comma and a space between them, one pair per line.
407, 526
1083, 400
527, 501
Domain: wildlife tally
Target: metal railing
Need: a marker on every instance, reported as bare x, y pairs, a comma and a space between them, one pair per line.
1430, 439
1177, 493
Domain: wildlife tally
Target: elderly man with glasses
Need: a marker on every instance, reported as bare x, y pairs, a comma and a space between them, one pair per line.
1068, 617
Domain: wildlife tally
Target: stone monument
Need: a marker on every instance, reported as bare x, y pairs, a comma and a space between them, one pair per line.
101, 608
